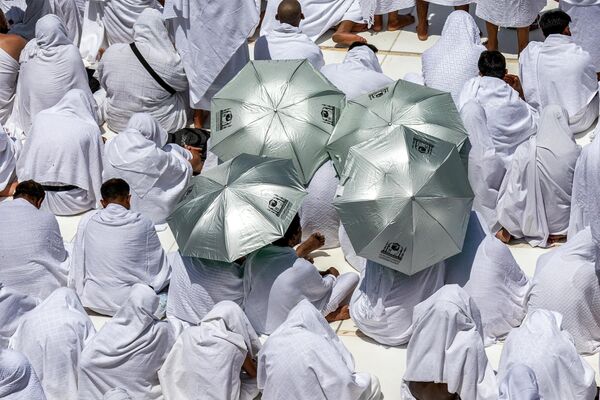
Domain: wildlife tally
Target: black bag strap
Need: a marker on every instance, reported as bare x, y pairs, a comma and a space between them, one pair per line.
152, 72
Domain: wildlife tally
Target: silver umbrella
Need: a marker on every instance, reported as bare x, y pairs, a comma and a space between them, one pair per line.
237, 207
402, 103
283, 109
405, 200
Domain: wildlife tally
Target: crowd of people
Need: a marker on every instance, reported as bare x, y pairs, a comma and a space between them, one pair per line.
92, 95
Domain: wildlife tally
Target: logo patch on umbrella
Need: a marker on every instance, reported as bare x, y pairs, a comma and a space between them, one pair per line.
329, 114
279, 206
393, 252
422, 146
378, 94
225, 119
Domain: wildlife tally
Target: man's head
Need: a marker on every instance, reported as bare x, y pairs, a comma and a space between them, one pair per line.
555, 22
289, 12
358, 44
492, 64
31, 191
431, 391
115, 191
293, 235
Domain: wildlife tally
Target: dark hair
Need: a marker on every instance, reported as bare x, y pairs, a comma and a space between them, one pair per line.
292, 230
554, 22
492, 63
114, 189
30, 189
358, 44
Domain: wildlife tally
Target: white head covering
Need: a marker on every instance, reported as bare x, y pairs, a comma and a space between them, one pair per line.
499, 287
52, 336
519, 383
7, 159
447, 347
542, 345
128, 351
452, 60
117, 394
120, 16
319, 367
35, 10
18, 380
208, 358
13, 305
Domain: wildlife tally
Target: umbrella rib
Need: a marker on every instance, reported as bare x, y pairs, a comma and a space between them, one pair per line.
260, 81
310, 96
264, 143
437, 222
241, 129
243, 102
306, 122
291, 142
260, 211
288, 83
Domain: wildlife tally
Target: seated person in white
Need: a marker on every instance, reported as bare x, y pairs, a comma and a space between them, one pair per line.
543, 346
215, 358
198, 284
129, 86
286, 41
566, 281
423, 13
584, 26
128, 351
10, 51
534, 200
267, 291
305, 359
18, 380
559, 71
499, 287
8, 164
33, 259
52, 337
446, 358
382, 304
114, 249
347, 16
13, 305
518, 383
156, 172
63, 152
510, 120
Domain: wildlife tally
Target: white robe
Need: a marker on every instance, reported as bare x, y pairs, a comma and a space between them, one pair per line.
544, 346
453, 3
584, 26
211, 37
499, 287
357, 262
197, 285
128, 351
207, 359
318, 367
131, 89
17, 378
9, 72
558, 71
510, 13
13, 305
387, 6
68, 12
447, 347
117, 394
519, 383
117, 17
510, 120
157, 174
33, 259
50, 67
382, 305
317, 213
52, 337
566, 281
8, 159
319, 15
64, 147
114, 249
359, 73
288, 42
534, 200
35, 10
452, 60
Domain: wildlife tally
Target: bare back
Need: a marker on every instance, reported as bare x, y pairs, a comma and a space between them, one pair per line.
12, 44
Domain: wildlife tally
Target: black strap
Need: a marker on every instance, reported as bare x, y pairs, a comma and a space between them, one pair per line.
152, 73
62, 188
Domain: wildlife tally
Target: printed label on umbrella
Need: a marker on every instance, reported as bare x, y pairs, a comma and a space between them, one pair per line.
422, 146
378, 94
279, 206
225, 119
329, 114
393, 252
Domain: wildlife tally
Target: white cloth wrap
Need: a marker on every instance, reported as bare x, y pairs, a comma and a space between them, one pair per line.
13, 305
8, 159
35, 10
510, 13
9, 72
387, 6
18, 380
68, 12
584, 27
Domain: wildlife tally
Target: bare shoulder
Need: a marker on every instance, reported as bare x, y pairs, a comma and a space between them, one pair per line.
12, 44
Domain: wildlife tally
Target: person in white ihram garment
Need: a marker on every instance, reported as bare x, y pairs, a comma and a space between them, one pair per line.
18, 380
52, 337
10, 50
35, 10
584, 27
319, 367
391, 8
559, 71
215, 358
13, 306
8, 163
114, 249
287, 41
423, 13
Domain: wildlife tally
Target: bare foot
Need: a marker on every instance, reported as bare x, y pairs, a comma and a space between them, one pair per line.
360, 28
423, 32
553, 239
503, 235
399, 21
341, 314
346, 39
378, 23
314, 242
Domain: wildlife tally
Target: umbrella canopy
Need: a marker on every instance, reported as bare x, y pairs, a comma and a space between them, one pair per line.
405, 200
402, 103
282, 109
237, 207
